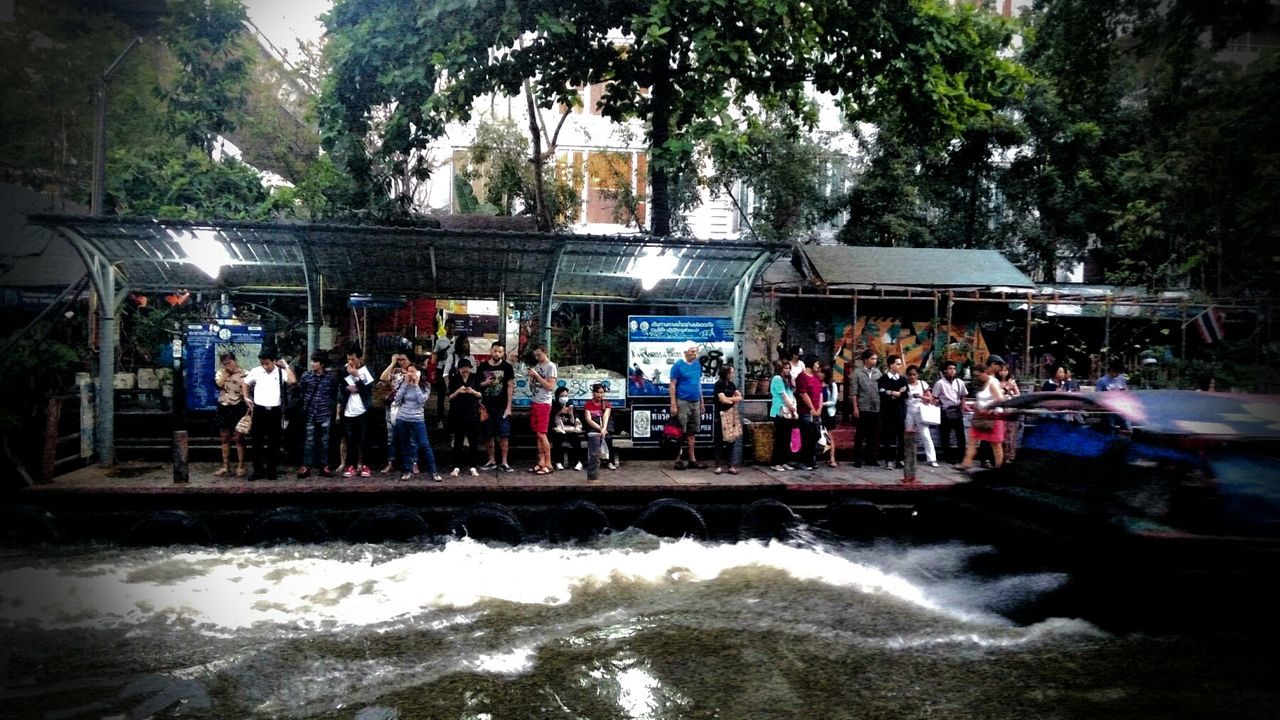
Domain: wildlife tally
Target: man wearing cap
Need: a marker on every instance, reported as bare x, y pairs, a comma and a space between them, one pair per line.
685, 387
264, 394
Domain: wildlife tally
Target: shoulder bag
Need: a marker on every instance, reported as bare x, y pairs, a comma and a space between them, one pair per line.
730, 425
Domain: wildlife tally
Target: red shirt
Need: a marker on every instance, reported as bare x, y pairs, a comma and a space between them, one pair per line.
596, 409
810, 385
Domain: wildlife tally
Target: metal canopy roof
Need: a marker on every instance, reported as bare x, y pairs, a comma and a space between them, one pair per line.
887, 267
154, 254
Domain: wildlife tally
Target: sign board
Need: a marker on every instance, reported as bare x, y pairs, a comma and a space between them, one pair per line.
656, 342
649, 417
205, 343
579, 383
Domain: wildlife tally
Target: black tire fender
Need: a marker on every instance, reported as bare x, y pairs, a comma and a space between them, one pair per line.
387, 523
169, 527
488, 522
285, 525
580, 521
767, 519
855, 519
671, 518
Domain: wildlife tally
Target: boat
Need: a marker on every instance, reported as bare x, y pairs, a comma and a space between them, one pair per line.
1163, 493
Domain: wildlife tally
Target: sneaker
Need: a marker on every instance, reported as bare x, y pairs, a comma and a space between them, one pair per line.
386, 470
406, 476
415, 468
613, 466
349, 472
898, 465
303, 471
437, 477
933, 463
474, 472
365, 471
781, 468
491, 465
697, 466
326, 471
506, 468
679, 465
578, 466
559, 466
719, 470
454, 472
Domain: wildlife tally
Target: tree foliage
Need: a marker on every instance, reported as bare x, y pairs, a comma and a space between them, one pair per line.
1136, 139
683, 65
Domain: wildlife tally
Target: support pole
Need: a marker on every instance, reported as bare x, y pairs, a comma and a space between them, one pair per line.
105, 431
99, 190
314, 303
1027, 355
1183, 356
741, 299
935, 356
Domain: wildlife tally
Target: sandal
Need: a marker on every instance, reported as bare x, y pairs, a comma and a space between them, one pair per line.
223, 472
240, 472
733, 471
832, 463
542, 471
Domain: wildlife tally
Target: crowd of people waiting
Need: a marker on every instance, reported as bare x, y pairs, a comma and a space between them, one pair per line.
894, 412
479, 392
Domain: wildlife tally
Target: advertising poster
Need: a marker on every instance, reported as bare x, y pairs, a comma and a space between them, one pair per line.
656, 342
206, 342
579, 383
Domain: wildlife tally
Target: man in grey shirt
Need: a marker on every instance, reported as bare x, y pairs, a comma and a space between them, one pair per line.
866, 409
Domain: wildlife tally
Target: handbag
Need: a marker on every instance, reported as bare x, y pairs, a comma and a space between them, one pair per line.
788, 412
730, 425
245, 425
824, 437
930, 414
563, 427
672, 433
796, 441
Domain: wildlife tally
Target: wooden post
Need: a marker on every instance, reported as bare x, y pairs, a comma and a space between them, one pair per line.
49, 458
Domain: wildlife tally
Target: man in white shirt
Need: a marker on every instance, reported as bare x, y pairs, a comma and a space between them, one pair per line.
950, 392
355, 397
265, 396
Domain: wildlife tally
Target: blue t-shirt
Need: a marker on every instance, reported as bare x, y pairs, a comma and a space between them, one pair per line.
1106, 382
688, 379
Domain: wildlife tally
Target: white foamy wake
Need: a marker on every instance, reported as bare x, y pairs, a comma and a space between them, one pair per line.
220, 592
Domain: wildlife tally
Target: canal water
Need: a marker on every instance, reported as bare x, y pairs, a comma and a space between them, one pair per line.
628, 627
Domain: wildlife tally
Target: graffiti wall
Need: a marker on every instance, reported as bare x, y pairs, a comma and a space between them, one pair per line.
914, 341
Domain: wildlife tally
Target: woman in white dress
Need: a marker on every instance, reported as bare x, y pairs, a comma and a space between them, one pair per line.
918, 394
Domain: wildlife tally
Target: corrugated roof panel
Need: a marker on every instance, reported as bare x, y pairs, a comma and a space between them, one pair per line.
913, 267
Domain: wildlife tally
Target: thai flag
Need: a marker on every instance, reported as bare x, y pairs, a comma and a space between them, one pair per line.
1209, 323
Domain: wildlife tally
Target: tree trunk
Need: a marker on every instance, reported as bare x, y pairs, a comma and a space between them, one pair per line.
659, 159
539, 192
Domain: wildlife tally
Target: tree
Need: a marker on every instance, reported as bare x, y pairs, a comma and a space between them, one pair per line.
782, 166
684, 63
207, 39
500, 156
